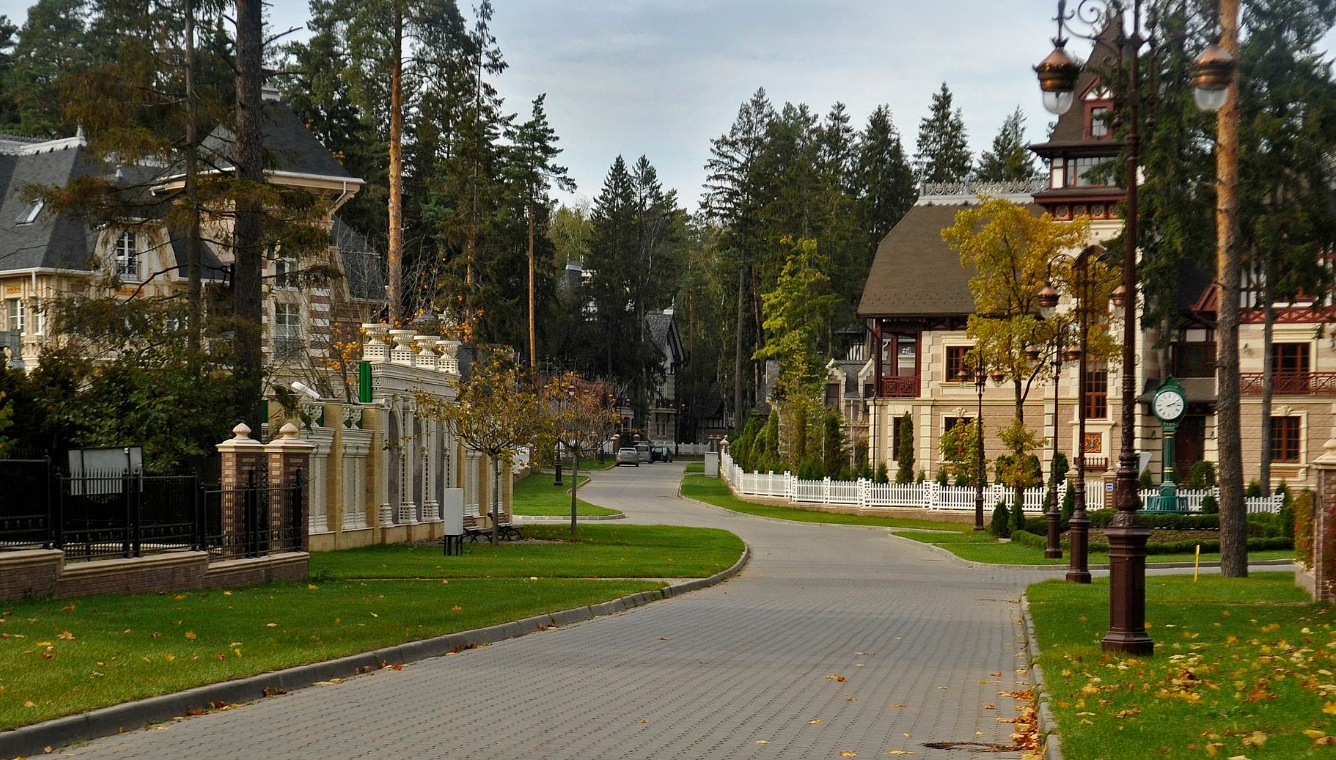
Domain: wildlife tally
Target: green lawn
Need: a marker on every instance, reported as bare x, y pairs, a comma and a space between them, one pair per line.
600, 551
1242, 667
695, 468
112, 649
982, 547
715, 491
535, 496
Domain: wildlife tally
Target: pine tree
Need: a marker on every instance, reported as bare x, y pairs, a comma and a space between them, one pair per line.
532, 168
905, 471
734, 196
943, 149
884, 180
1009, 159
53, 44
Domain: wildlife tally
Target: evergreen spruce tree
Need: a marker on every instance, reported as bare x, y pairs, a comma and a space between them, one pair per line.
884, 180
1010, 158
943, 149
905, 472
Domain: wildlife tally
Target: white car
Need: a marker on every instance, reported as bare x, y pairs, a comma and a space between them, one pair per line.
628, 455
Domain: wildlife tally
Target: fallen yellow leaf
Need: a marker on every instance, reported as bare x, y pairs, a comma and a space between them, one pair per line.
1257, 739
848, 753
312, 587
1328, 708
1312, 733
901, 752
66, 635
762, 741
47, 644
179, 597
815, 722
190, 635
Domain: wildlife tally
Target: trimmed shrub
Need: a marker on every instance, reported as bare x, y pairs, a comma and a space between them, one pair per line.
962, 480
922, 477
882, 476
1201, 476
1145, 481
1210, 505
812, 469
943, 479
1068, 504
1302, 527
1001, 523
1017, 516
1030, 538
1253, 490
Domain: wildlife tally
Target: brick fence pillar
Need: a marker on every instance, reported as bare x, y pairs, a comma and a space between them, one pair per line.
1324, 525
242, 458
288, 456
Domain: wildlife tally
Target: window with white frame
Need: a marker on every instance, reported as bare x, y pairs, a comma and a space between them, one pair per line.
15, 311
287, 330
285, 267
127, 256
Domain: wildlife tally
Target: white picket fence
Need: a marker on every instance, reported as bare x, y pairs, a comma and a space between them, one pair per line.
929, 495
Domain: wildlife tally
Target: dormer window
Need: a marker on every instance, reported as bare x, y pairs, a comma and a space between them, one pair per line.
127, 256
30, 216
1099, 121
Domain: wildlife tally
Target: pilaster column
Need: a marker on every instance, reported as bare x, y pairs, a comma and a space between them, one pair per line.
243, 464
409, 443
289, 489
431, 464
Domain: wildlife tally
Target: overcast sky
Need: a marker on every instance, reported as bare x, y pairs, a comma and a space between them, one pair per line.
664, 77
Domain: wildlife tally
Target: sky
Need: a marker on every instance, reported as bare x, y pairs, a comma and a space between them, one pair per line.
663, 78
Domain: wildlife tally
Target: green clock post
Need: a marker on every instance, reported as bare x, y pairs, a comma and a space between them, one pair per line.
1170, 405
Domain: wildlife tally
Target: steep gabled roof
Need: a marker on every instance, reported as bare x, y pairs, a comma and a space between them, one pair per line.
289, 146
49, 241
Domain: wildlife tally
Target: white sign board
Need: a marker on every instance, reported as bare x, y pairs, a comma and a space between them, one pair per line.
452, 511
98, 471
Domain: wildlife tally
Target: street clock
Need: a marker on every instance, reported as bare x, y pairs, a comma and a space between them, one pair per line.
1170, 404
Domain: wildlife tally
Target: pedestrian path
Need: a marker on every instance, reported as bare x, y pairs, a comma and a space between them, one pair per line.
833, 640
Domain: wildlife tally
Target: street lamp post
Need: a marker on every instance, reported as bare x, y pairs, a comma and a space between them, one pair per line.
979, 379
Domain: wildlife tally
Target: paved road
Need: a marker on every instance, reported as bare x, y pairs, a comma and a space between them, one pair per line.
740, 670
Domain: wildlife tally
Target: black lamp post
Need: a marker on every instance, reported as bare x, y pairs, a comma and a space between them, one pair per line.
980, 382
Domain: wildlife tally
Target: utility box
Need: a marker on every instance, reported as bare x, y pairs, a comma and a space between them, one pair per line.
711, 464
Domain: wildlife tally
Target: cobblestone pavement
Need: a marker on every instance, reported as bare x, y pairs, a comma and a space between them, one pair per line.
832, 640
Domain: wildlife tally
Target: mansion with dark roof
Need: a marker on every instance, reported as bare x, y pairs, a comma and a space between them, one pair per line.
917, 300
45, 256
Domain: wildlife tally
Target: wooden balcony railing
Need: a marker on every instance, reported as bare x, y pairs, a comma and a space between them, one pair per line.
900, 386
1290, 383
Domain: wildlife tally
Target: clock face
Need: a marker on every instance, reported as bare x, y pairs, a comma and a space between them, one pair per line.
1169, 406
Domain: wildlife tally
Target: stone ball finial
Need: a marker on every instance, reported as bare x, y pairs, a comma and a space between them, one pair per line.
241, 432
289, 430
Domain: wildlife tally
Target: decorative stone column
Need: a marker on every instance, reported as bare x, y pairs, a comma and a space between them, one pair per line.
289, 510
378, 464
1323, 569
243, 463
375, 349
431, 458
408, 447
402, 352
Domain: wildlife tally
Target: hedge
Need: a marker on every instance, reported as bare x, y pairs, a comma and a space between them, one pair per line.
1260, 525
1208, 546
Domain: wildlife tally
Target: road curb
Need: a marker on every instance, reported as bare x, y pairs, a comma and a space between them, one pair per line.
557, 520
109, 721
1047, 724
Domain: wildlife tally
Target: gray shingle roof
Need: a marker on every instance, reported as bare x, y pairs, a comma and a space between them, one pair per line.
289, 146
915, 273
49, 241
659, 325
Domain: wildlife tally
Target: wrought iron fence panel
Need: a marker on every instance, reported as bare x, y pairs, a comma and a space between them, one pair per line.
237, 520
103, 514
25, 503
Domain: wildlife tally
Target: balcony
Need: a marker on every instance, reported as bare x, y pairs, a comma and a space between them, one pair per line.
1289, 383
899, 386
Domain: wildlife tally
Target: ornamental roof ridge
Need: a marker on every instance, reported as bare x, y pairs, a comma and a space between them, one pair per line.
968, 191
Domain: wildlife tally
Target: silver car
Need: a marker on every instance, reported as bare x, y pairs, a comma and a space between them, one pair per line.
628, 455
643, 452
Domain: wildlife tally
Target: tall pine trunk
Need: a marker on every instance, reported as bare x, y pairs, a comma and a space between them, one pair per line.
737, 350
193, 275
248, 229
533, 328
395, 248
1233, 516
1268, 336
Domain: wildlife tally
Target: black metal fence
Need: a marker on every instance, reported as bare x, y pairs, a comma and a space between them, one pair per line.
101, 515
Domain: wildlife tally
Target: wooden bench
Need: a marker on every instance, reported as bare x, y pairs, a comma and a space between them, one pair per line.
504, 528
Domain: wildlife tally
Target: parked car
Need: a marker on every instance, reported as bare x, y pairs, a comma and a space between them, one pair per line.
628, 455
661, 454
642, 450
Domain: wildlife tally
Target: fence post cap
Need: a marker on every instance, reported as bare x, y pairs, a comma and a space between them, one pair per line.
289, 437
1328, 458
241, 439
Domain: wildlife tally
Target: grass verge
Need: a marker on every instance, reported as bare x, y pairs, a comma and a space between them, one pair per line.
535, 496
64, 657
600, 551
982, 547
715, 491
1242, 667
695, 468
